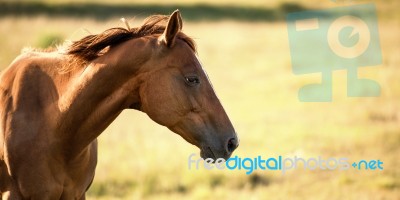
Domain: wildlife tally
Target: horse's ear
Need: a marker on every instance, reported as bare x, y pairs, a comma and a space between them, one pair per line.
172, 29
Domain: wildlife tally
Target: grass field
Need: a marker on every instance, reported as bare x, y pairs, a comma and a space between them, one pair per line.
249, 66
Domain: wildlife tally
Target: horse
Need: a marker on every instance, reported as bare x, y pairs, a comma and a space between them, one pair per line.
54, 104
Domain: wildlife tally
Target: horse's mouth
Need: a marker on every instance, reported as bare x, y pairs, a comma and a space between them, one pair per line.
207, 152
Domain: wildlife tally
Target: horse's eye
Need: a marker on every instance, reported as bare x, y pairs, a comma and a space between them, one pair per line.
192, 80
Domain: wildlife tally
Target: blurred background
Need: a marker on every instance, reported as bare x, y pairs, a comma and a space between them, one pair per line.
244, 47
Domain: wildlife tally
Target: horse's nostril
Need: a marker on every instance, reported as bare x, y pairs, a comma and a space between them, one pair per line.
232, 144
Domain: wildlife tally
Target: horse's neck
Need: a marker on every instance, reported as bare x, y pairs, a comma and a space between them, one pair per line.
93, 99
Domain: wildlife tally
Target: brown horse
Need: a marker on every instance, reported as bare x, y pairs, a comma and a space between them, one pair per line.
53, 105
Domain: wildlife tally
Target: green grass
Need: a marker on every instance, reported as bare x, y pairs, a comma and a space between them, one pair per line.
205, 10
193, 12
249, 65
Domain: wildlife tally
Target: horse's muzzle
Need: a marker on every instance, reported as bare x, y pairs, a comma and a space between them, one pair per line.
215, 153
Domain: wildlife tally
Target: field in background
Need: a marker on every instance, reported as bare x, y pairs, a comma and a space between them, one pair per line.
249, 66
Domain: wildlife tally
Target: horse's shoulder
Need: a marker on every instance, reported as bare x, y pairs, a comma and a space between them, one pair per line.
18, 67
27, 71
31, 60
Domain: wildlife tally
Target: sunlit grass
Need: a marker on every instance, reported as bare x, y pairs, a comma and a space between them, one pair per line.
249, 65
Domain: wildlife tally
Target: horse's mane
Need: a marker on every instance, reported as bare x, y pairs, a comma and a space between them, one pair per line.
92, 46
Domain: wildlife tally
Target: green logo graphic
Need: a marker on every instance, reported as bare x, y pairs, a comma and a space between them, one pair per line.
335, 39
